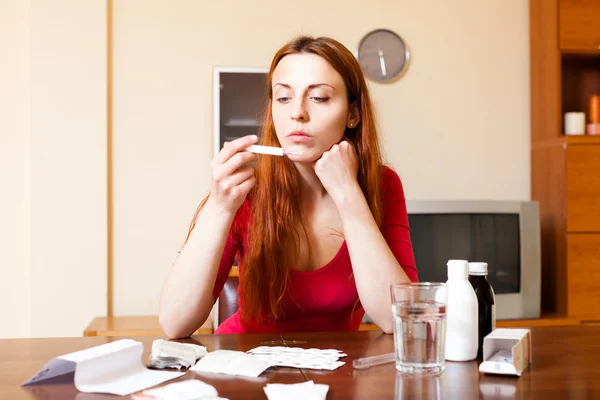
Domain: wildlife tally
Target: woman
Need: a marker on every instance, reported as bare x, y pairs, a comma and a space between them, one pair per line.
320, 234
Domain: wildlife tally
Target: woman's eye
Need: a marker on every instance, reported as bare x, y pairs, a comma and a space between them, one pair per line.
320, 99
283, 99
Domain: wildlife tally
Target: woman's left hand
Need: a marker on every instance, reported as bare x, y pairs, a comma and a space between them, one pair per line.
338, 169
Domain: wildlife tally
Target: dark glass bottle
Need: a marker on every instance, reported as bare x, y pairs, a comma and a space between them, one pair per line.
485, 299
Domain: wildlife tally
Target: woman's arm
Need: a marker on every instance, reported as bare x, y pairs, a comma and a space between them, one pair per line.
374, 264
187, 295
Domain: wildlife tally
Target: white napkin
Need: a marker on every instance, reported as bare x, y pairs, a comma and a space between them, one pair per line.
231, 363
297, 357
297, 391
186, 390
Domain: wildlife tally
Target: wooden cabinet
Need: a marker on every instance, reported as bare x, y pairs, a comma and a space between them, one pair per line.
565, 170
239, 98
583, 189
583, 230
579, 24
566, 182
583, 276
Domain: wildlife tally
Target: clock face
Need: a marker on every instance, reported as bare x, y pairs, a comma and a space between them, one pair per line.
383, 55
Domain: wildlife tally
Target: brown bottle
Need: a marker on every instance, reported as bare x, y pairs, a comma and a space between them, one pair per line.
485, 299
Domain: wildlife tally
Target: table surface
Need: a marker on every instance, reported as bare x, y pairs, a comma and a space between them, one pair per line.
564, 365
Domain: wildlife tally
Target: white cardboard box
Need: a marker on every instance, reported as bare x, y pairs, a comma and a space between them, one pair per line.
506, 352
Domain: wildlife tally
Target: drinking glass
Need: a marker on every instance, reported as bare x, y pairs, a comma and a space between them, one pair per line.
419, 312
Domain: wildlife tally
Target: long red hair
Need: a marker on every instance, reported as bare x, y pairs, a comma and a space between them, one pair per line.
276, 218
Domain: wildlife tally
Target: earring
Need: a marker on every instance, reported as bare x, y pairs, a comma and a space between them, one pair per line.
351, 124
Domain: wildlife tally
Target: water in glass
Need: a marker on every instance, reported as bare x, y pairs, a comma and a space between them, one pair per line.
419, 336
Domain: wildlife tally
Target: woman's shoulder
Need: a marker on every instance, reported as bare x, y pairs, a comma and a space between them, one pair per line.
390, 180
388, 173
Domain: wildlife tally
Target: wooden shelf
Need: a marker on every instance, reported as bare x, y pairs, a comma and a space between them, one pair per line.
581, 53
133, 326
583, 139
567, 139
544, 321
580, 79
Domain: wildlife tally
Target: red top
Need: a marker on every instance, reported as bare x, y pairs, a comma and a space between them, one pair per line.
325, 299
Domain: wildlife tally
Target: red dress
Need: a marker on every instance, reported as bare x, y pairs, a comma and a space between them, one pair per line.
325, 299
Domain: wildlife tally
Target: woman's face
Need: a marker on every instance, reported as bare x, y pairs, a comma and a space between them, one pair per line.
310, 106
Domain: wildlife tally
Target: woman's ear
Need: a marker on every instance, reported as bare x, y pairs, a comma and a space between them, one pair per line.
353, 116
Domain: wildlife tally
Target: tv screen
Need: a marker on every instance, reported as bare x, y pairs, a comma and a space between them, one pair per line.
491, 238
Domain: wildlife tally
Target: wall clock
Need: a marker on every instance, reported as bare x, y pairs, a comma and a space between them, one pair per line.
383, 55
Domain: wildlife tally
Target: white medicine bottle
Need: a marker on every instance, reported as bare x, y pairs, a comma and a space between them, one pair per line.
462, 318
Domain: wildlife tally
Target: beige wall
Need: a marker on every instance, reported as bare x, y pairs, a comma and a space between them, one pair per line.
68, 165
15, 309
449, 126
56, 167
455, 126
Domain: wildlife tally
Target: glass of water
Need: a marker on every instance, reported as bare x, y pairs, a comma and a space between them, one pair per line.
419, 311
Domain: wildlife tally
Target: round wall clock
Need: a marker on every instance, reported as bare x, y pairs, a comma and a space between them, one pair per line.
383, 55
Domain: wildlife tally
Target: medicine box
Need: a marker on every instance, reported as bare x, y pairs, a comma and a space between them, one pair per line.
506, 352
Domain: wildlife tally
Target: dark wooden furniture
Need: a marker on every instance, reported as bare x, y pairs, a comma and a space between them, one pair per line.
564, 366
565, 170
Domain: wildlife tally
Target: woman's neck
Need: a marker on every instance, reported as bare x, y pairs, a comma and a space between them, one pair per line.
312, 188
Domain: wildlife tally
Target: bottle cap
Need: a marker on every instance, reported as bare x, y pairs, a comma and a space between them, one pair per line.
478, 268
458, 269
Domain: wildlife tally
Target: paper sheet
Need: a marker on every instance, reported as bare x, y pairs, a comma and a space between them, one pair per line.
192, 389
114, 368
296, 391
231, 363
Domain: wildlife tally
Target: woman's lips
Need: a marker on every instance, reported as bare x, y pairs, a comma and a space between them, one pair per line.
298, 137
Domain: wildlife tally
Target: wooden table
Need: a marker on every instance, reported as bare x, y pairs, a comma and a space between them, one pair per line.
565, 365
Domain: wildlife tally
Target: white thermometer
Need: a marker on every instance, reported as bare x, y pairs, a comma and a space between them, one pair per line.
274, 151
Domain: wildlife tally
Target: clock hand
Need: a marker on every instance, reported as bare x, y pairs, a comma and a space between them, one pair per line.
382, 63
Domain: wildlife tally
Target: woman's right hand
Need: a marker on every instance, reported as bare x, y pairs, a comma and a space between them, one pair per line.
231, 184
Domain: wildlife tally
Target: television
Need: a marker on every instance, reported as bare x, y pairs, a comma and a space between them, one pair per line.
505, 234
